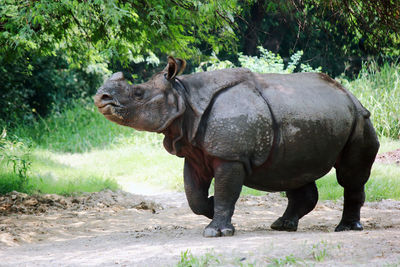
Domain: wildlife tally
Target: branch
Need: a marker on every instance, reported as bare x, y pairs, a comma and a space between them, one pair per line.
227, 20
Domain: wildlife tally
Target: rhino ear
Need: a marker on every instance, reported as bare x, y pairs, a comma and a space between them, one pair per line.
117, 76
174, 67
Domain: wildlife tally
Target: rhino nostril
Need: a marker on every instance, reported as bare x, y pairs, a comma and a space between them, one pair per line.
106, 97
103, 99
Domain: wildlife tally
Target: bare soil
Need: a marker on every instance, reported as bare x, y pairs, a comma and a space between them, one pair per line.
389, 157
119, 228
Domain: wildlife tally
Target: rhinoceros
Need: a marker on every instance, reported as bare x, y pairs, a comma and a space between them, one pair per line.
271, 132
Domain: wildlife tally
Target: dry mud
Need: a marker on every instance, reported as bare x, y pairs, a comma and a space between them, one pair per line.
122, 229
389, 157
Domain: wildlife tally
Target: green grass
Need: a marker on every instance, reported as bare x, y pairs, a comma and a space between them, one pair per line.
49, 176
378, 89
144, 160
188, 259
384, 183
34, 170
79, 150
289, 260
79, 128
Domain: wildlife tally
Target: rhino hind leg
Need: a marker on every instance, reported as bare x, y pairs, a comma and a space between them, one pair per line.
300, 202
352, 172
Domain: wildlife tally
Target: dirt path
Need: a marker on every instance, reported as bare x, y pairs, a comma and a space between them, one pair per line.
121, 229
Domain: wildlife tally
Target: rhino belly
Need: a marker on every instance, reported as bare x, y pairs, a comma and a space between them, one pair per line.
301, 157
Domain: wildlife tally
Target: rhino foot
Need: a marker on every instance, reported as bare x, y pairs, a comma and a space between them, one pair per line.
347, 226
214, 231
282, 224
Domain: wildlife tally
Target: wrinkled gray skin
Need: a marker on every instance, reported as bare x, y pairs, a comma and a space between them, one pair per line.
272, 132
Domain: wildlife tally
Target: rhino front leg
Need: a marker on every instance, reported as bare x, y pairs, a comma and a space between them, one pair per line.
229, 177
196, 189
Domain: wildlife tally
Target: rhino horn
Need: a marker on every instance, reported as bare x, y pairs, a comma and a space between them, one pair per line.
117, 76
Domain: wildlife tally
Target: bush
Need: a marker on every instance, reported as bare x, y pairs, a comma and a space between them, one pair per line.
267, 62
15, 163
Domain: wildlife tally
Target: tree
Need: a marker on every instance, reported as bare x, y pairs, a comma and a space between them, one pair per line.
330, 32
97, 30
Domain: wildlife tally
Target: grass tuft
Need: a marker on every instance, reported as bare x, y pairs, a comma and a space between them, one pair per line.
378, 89
188, 259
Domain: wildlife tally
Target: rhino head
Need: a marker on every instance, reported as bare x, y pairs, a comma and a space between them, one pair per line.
150, 106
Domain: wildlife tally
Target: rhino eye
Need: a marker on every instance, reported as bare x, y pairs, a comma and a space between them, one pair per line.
138, 93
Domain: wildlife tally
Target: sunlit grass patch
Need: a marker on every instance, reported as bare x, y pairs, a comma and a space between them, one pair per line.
384, 183
143, 162
72, 185
50, 177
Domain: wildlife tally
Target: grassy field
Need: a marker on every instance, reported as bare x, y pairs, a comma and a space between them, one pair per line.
78, 150
143, 160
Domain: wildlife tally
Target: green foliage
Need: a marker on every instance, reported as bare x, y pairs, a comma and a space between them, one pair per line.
376, 23
214, 63
98, 30
47, 48
267, 62
334, 34
14, 155
48, 84
378, 89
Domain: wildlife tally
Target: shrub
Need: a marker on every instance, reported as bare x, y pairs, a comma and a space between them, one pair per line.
267, 62
14, 155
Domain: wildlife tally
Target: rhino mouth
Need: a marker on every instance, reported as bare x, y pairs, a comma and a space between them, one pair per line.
106, 108
111, 111
109, 105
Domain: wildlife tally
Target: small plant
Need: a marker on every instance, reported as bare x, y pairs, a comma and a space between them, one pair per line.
16, 154
286, 261
187, 259
319, 251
